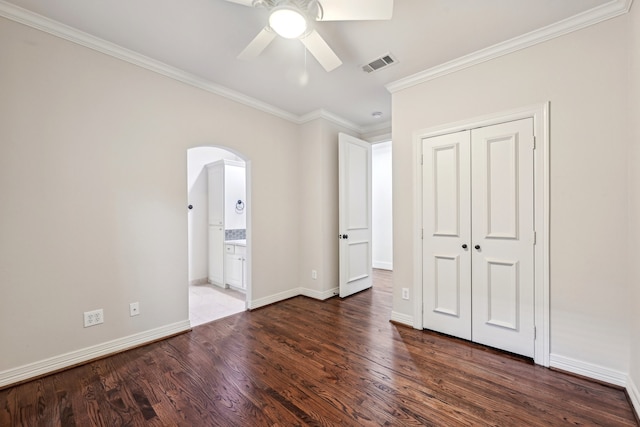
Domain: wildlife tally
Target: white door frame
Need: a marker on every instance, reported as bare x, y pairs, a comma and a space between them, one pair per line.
540, 115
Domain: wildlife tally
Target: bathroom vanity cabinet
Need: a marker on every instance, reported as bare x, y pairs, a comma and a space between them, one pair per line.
235, 265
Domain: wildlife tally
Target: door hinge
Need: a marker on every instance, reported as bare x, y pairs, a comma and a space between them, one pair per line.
422, 159
534, 142
535, 237
535, 332
422, 233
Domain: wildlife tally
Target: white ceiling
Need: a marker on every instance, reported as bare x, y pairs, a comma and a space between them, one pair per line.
203, 38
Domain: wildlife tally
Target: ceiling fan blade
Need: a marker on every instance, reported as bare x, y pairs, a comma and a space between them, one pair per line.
242, 2
321, 51
356, 10
258, 44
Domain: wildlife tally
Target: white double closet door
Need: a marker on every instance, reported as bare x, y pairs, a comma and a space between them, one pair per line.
478, 241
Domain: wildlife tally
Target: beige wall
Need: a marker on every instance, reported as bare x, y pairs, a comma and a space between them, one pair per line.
93, 169
584, 76
318, 195
634, 191
309, 190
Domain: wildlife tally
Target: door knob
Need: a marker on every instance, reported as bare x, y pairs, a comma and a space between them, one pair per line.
477, 247
345, 236
464, 246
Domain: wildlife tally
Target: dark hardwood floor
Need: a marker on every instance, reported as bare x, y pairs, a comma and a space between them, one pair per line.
306, 362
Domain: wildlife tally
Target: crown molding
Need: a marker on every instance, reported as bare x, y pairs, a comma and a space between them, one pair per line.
582, 20
39, 22
328, 115
376, 138
55, 28
593, 16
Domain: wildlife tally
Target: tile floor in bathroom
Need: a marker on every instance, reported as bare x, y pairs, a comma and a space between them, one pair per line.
208, 302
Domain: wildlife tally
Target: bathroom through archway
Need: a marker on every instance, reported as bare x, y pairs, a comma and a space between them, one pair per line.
217, 233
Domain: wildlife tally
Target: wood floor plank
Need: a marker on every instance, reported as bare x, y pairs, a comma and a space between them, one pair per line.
304, 362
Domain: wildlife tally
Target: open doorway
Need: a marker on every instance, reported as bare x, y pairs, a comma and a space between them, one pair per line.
382, 206
218, 279
382, 217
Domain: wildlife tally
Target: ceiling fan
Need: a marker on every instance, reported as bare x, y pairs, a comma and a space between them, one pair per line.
294, 19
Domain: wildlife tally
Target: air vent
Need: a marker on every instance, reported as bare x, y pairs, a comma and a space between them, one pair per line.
379, 63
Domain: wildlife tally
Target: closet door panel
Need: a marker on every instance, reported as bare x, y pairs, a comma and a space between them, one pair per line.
503, 236
446, 225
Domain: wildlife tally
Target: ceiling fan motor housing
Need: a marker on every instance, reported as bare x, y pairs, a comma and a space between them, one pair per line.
311, 9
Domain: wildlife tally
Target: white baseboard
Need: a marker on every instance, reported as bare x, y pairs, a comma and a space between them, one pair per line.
56, 363
634, 395
311, 293
382, 265
320, 295
589, 370
405, 319
261, 302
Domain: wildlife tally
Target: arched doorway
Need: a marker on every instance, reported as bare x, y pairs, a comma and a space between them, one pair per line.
219, 263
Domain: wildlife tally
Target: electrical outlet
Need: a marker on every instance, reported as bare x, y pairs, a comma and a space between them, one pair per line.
92, 318
405, 293
134, 309
314, 274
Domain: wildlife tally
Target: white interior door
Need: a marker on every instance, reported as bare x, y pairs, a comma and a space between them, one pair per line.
354, 190
478, 225
446, 210
503, 236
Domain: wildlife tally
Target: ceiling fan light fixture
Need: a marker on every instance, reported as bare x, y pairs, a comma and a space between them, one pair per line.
287, 22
